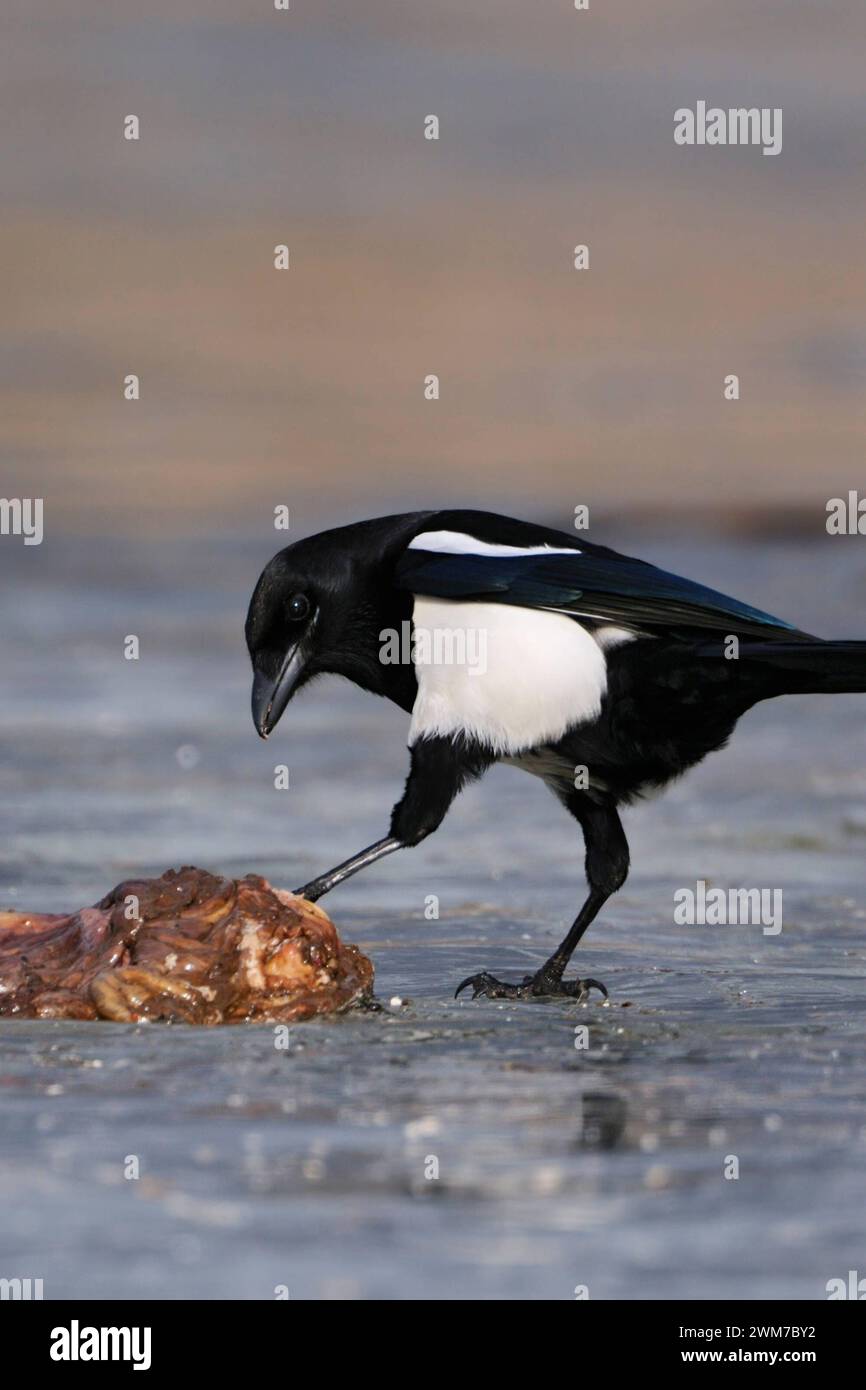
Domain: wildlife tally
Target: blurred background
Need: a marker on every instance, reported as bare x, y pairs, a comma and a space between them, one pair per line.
559, 1168
411, 257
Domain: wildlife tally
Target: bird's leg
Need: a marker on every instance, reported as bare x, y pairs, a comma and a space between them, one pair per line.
325, 882
439, 768
606, 870
547, 981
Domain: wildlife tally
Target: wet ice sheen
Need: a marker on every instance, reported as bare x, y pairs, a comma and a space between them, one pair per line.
557, 1166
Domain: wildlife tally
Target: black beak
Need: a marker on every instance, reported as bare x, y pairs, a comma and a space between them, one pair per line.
271, 697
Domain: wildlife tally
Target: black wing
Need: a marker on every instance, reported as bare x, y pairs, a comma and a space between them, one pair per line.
594, 582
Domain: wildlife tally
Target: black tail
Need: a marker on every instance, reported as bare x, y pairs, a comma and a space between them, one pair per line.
805, 668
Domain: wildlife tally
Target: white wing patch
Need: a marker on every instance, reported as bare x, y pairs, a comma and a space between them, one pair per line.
607, 637
527, 674
459, 543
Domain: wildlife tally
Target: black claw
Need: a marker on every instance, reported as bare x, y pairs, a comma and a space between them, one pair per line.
580, 989
537, 986
308, 891
479, 985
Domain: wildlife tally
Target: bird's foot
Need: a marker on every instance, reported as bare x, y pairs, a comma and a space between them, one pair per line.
541, 985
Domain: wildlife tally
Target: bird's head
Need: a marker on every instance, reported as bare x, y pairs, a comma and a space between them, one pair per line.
319, 607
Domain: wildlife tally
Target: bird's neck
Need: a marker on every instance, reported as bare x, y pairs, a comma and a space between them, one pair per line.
377, 651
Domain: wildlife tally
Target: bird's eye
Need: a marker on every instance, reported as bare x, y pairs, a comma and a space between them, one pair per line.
298, 608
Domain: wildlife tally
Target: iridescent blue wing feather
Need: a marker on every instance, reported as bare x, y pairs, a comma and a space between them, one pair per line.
593, 583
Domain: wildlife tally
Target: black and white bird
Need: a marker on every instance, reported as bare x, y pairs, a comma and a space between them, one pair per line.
602, 675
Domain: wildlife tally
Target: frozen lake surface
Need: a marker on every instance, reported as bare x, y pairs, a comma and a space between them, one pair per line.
558, 1166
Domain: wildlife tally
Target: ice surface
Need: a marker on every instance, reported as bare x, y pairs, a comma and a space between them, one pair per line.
305, 1166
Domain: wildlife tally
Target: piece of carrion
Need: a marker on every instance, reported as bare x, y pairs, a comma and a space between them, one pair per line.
188, 947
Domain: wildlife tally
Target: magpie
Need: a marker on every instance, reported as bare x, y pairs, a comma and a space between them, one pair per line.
602, 675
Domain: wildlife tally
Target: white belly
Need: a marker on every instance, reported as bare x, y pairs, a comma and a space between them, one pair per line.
526, 675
